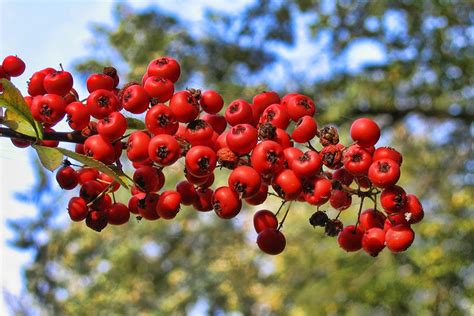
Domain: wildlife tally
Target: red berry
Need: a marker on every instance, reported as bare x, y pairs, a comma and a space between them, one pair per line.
387, 153
399, 238
187, 191
305, 130
78, 116
264, 219
168, 204
165, 67
245, 181
135, 99
100, 149
242, 138
137, 146
226, 202
67, 178
118, 214
164, 149
184, 106
113, 126
287, 185
365, 132
96, 220
161, 120
211, 102
384, 173
58, 82
393, 199
371, 218
77, 209
271, 241
373, 241
238, 112
13, 66
159, 89
99, 81
350, 239
101, 103
357, 160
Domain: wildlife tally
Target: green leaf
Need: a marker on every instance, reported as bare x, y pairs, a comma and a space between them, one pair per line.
117, 176
18, 116
133, 123
51, 158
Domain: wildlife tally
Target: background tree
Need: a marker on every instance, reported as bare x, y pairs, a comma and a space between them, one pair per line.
421, 94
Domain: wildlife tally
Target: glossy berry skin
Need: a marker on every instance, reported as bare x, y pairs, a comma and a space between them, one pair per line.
101, 103
283, 138
262, 100
350, 239
199, 132
242, 138
259, 197
245, 181
77, 116
287, 185
168, 204
291, 153
211, 101
299, 106
20, 143
35, 84
200, 161
164, 149
147, 179
113, 126
384, 173
267, 157
49, 109
343, 176
216, 121
187, 192
77, 209
99, 148
307, 165
96, 220
137, 146
264, 219
414, 209
165, 67
99, 81
305, 130
159, 89
371, 218
184, 106
399, 238
135, 99
226, 202
365, 132
393, 199
203, 202
118, 214
373, 241
277, 115
90, 190
340, 200
161, 120
271, 241
147, 207
238, 112
13, 66
317, 191
357, 160
86, 174
67, 178
59, 82
387, 153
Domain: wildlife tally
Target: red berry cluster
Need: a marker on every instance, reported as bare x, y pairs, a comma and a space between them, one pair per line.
264, 143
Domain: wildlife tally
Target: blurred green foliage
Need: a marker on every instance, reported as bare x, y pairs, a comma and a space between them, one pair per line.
422, 95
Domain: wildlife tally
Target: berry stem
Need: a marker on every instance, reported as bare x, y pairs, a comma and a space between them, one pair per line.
281, 206
360, 211
284, 217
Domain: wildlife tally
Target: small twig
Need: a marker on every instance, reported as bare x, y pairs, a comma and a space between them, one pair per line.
284, 217
279, 209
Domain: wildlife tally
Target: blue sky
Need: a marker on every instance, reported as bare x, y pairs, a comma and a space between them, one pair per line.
46, 33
